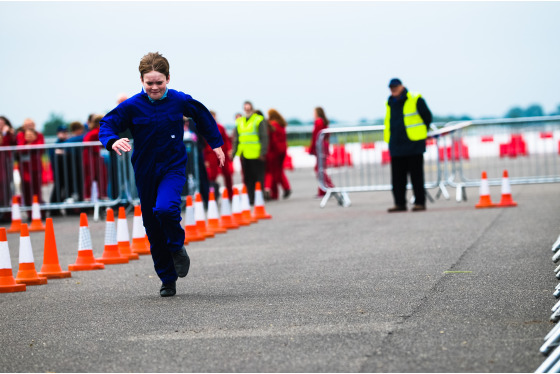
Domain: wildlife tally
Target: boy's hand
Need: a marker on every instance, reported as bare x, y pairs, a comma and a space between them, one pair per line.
122, 144
220, 155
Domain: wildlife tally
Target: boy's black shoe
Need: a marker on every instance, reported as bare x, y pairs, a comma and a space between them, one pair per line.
167, 289
182, 262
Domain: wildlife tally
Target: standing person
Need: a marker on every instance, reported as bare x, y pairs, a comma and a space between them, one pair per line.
31, 166
5, 170
28, 123
155, 119
7, 131
211, 163
406, 129
250, 143
74, 163
94, 167
277, 150
321, 122
58, 158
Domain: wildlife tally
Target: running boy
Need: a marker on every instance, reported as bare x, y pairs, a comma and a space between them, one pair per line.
155, 119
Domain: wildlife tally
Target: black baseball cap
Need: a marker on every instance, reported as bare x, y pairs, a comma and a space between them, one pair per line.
395, 82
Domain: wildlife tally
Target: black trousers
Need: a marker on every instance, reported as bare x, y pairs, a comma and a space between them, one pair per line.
253, 172
401, 167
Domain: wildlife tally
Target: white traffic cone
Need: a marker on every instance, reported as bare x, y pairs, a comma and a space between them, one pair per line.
507, 200
213, 216
236, 211
200, 217
246, 207
226, 219
123, 238
7, 281
191, 230
16, 216
26, 272
111, 253
139, 233
36, 223
85, 260
485, 201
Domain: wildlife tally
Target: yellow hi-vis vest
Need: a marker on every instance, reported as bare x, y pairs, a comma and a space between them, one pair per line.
249, 144
414, 124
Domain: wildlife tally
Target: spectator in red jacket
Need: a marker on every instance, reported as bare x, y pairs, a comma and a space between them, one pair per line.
94, 165
321, 122
212, 165
28, 123
277, 149
7, 131
30, 164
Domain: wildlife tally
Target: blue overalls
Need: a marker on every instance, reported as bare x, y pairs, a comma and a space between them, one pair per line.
159, 161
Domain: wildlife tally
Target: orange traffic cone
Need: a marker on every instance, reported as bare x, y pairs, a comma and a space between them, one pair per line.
7, 281
200, 217
485, 201
259, 211
236, 211
85, 260
51, 267
111, 252
507, 200
16, 216
139, 243
191, 230
123, 238
36, 223
26, 272
213, 216
246, 207
226, 218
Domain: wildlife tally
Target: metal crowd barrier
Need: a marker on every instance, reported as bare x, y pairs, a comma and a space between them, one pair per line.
75, 175
551, 345
358, 160
456, 154
527, 147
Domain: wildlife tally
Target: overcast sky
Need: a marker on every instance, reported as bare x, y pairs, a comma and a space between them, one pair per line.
475, 58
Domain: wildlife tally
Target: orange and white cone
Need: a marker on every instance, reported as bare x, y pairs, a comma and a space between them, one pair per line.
36, 223
16, 216
111, 252
200, 217
246, 207
259, 211
191, 230
507, 200
485, 201
7, 281
226, 219
236, 211
139, 234
85, 260
51, 267
213, 216
26, 272
123, 238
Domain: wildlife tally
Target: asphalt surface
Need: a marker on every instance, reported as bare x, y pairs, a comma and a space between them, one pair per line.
452, 289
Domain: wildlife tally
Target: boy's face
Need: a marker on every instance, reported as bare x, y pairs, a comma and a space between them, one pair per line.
155, 84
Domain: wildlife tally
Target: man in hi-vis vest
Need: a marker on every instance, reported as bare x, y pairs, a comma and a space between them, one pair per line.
250, 143
406, 128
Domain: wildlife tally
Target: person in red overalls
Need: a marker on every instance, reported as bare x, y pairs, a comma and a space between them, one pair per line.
212, 164
321, 122
30, 164
277, 149
94, 166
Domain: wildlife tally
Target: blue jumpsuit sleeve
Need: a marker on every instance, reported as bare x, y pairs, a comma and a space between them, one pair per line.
113, 123
204, 121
